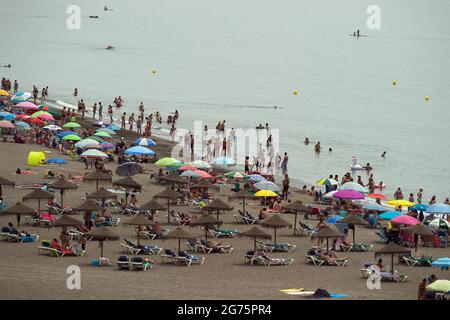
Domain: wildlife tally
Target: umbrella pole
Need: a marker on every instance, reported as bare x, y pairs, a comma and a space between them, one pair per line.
295, 222
168, 211
179, 245
392, 263
39, 206
243, 205
328, 250
96, 184
254, 244
62, 191
354, 229
18, 221
275, 238
101, 249
138, 233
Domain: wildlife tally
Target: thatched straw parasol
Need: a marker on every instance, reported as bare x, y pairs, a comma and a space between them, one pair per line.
205, 220
297, 207
67, 221
138, 220
243, 195
418, 230
168, 194
102, 194
353, 220
219, 206
19, 209
38, 194
392, 249
102, 234
128, 184
275, 222
179, 233
327, 233
5, 182
62, 185
255, 233
152, 206
97, 176
174, 179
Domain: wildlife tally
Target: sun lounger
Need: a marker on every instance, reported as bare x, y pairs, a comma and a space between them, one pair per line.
385, 276
276, 247
250, 257
194, 259
133, 248
245, 218
217, 233
123, 263
139, 263
11, 237
314, 260
318, 257
58, 210
170, 257
304, 230
355, 247
206, 248
412, 261
266, 261
75, 234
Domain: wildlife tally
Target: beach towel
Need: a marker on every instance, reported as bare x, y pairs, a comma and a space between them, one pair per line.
26, 172
337, 295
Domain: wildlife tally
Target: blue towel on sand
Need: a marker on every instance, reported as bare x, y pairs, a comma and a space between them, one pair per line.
337, 295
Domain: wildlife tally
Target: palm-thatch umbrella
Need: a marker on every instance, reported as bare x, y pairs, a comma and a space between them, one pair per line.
19, 209
67, 221
418, 230
392, 249
168, 194
296, 207
138, 220
327, 233
179, 233
38, 194
204, 184
102, 194
255, 233
102, 234
62, 185
219, 206
244, 195
205, 220
5, 182
128, 184
97, 176
152, 206
87, 207
353, 220
174, 179
275, 222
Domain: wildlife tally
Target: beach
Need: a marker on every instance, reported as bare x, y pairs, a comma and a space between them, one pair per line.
28, 275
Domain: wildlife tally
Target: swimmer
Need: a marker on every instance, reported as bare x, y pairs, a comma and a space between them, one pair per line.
329, 149
317, 147
368, 166
384, 154
7, 66
306, 141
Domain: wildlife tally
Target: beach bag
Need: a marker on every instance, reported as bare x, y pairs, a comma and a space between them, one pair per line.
321, 293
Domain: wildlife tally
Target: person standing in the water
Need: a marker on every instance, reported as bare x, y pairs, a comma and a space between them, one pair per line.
357, 33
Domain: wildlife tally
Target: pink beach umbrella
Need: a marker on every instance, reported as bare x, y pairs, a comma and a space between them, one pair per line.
405, 220
203, 174
348, 194
46, 117
5, 124
27, 105
187, 167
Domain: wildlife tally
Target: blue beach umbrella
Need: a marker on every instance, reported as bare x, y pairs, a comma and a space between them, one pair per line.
419, 207
389, 215
334, 219
56, 161
267, 185
4, 114
113, 127
62, 134
256, 178
138, 150
20, 97
374, 207
443, 263
145, 142
22, 125
439, 208
223, 161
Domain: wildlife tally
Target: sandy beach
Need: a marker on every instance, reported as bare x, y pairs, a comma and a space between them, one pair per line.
27, 275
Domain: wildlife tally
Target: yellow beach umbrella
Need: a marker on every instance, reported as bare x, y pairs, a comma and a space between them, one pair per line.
400, 203
265, 193
4, 93
320, 182
440, 286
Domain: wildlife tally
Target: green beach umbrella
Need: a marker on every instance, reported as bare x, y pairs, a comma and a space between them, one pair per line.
102, 134
107, 130
71, 125
96, 138
72, 137
440, 286
54, 112
40, 113
165, 162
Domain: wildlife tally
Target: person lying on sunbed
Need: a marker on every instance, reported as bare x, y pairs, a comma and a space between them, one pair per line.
380, 265
10, 229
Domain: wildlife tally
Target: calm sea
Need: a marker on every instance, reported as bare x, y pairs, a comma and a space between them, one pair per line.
235, 60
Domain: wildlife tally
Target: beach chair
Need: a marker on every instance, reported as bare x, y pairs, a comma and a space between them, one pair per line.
130, 249
218, 233
304, 230
170, 257
59, 210
31, 221
412, 261
382, 234
207, 249
266, 261
139, 263
385, 276
250, 257
314, 260
123, 263
245, 218
276, 247
194, 259
75, 234
46, 249
147, 234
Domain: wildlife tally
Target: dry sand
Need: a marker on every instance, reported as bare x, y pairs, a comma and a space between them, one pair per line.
26, 275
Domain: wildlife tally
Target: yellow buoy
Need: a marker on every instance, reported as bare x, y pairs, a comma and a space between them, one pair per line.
427, 98
394, 82
154, 71
295, 92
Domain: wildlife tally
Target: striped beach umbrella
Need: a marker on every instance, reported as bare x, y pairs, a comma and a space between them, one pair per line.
145, 142
267, 185
20, 97
93, 153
